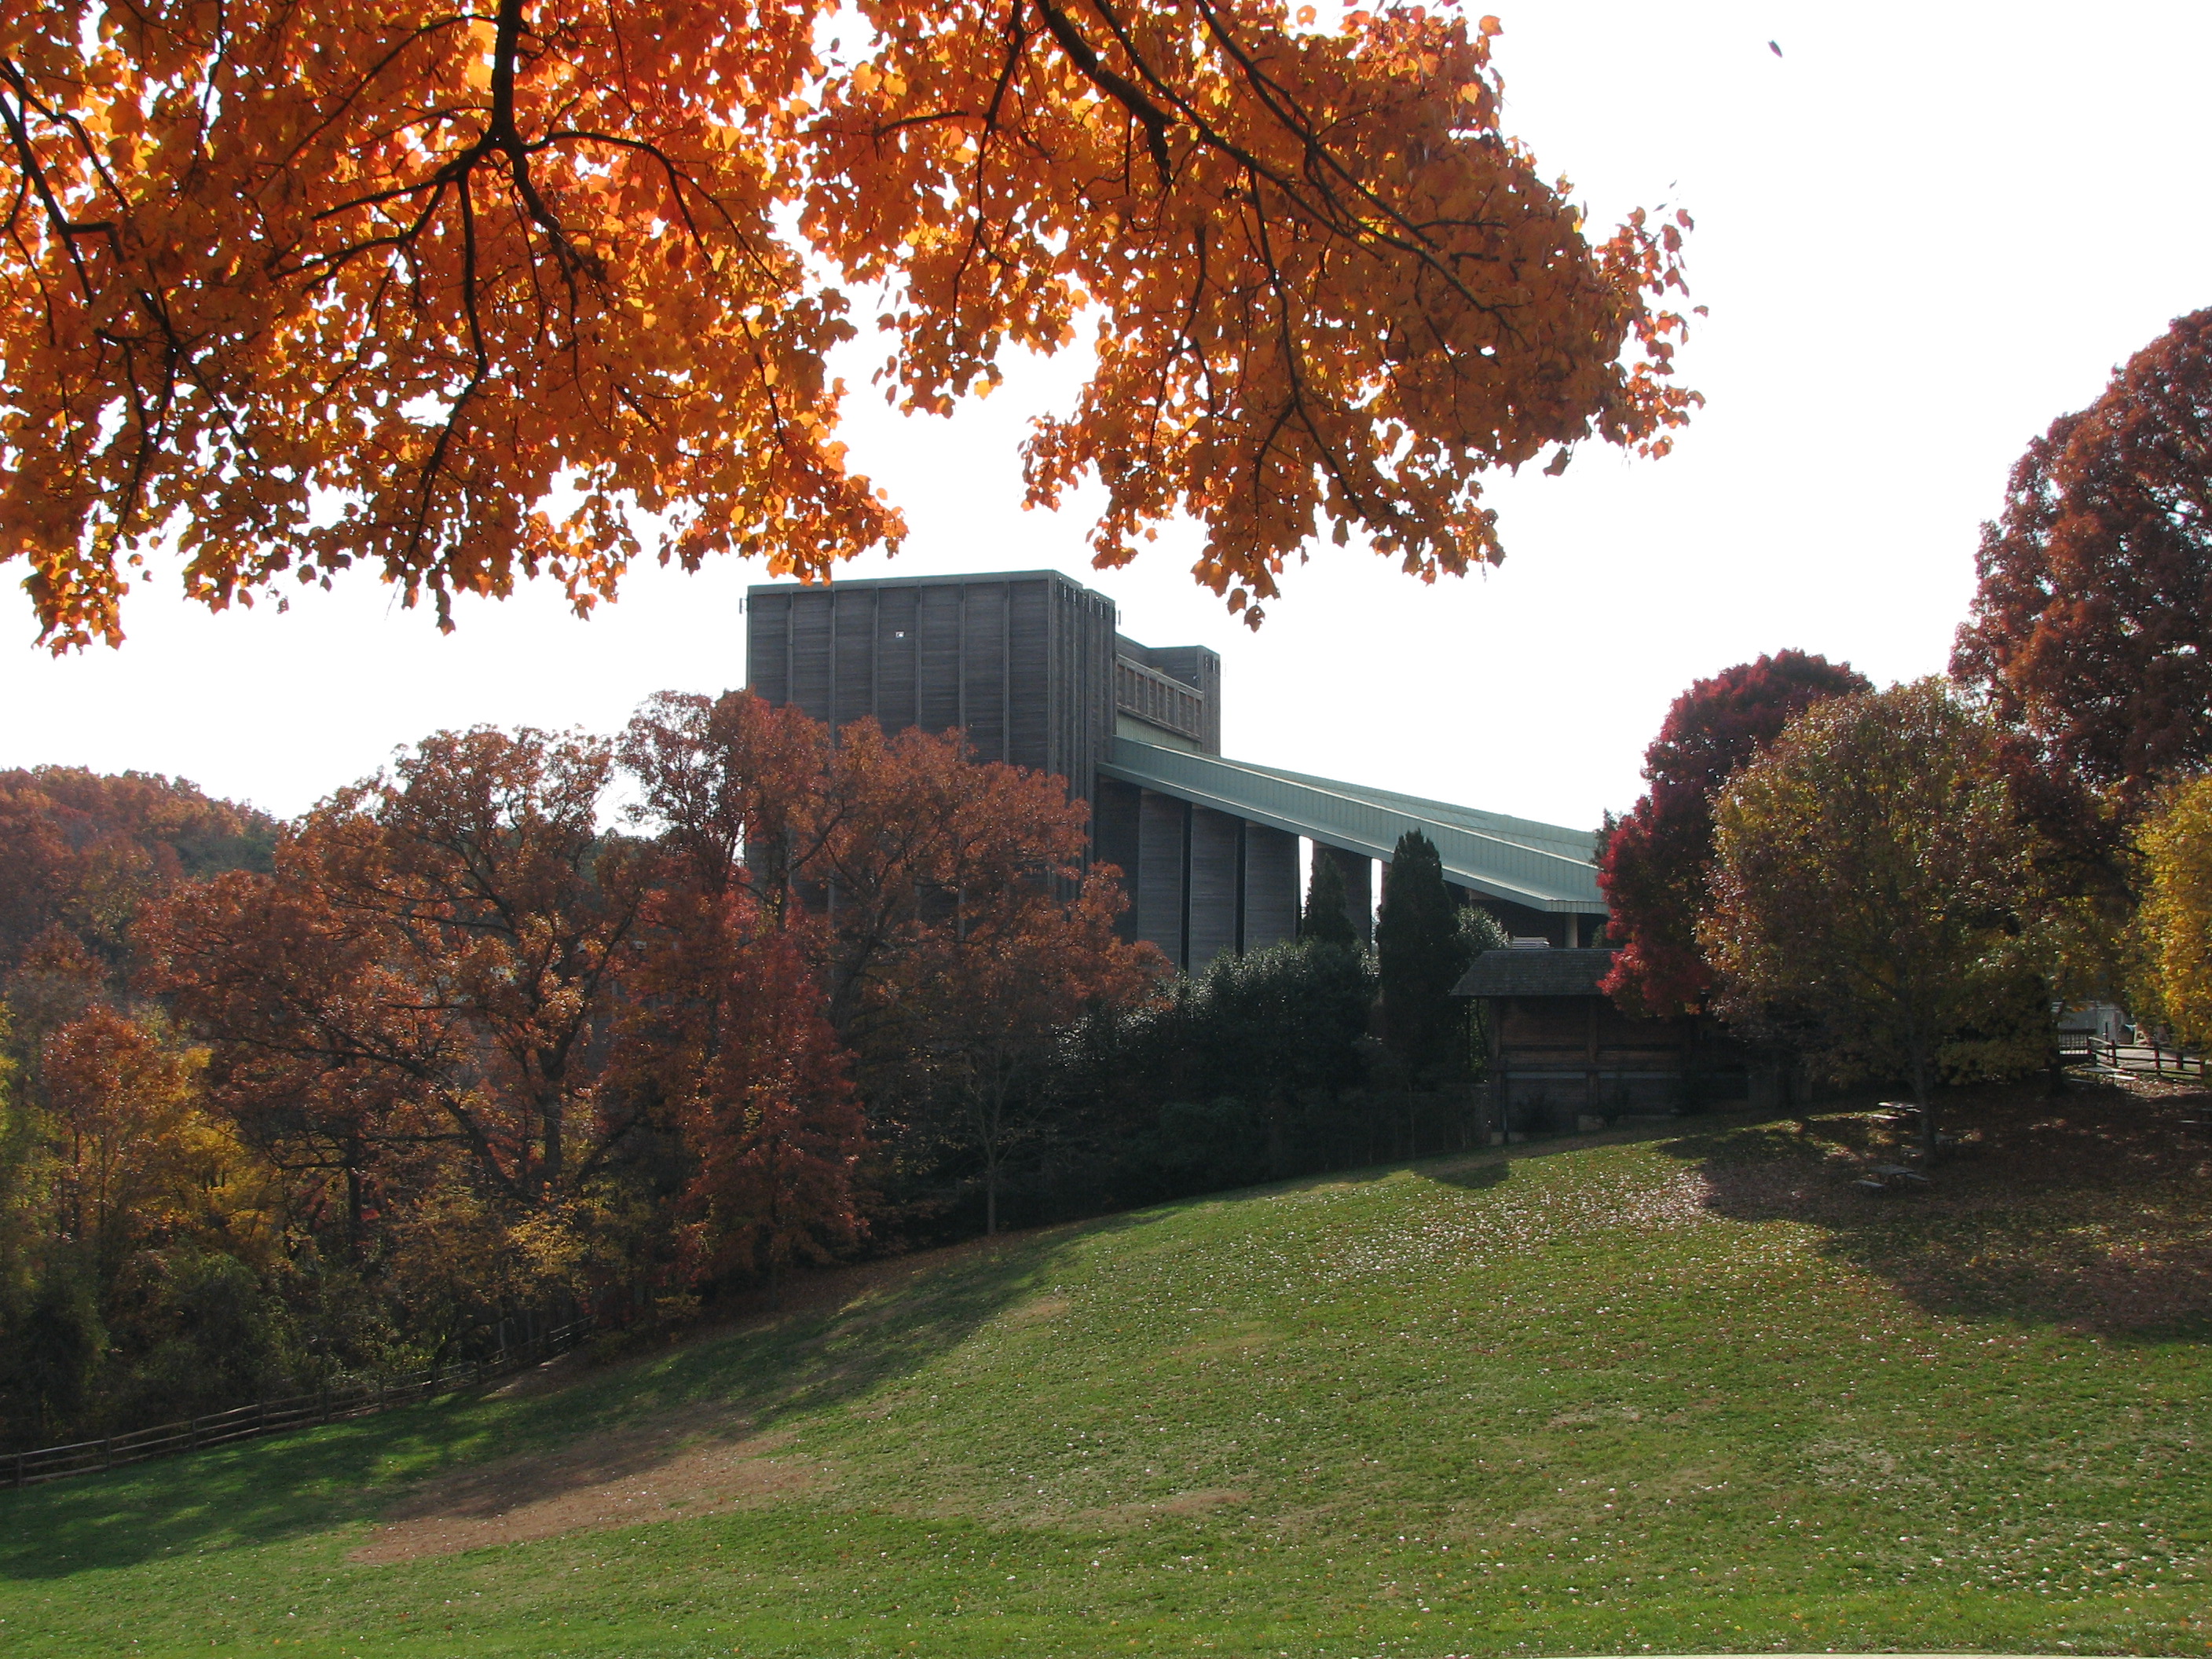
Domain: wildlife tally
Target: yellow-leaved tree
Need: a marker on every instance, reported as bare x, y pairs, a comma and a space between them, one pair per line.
2172, 935
1875, 895
304, 284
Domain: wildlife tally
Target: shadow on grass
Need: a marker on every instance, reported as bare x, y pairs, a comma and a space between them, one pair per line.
1473, 1175
895, 1316
2090, 1210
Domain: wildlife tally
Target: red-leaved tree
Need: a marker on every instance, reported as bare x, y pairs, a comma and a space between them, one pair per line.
2092, 627
941, 902
763, 1101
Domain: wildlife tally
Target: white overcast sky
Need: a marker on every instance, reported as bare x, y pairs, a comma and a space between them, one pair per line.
1922, 230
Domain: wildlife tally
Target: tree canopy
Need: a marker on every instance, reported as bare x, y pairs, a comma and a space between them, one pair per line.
80, 852
467, 297
1872, 884
2091, 626
1653, 868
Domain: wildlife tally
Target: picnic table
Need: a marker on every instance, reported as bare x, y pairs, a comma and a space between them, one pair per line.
1903, 1114
1885, 1177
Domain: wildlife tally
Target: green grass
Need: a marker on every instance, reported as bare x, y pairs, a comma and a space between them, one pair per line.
1687, 1394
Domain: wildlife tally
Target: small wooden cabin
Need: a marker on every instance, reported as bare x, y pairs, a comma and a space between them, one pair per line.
1563, 1057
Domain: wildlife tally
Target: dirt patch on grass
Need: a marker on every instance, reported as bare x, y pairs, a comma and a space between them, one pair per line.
1043, 1308
1182, 1503
557, 1373
686, 1465
683, 1463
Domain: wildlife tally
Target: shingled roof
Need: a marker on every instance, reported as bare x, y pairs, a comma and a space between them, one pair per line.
1533, 973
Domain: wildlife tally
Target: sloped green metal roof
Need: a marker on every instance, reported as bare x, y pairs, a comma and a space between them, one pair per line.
1542, 865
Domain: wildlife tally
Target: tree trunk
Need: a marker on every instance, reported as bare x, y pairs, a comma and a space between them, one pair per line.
554, 1150
357, 1228
991, 1197
1921, 1098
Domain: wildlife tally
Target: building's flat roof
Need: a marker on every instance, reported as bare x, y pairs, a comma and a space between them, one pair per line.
831, 584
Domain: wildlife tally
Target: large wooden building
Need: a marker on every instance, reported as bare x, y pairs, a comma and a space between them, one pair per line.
1031, 666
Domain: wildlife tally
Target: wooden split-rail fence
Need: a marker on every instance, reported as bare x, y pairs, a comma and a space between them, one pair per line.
31, 1468
2152, 1059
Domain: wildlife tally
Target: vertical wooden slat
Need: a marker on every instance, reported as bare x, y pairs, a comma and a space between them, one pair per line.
1160, 872
1271, 886
937, 689
1030, 693
1115, 836
1182, 960
768, 647
983, 668
811, 652
1211, 896
898, 655
855, 647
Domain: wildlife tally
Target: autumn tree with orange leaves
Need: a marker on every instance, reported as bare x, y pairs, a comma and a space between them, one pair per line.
417, 1009
943, 902
467, 297
503, 1052
468, 1051
729, 1031
764, 1103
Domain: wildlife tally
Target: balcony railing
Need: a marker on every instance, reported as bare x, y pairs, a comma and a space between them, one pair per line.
1159, 698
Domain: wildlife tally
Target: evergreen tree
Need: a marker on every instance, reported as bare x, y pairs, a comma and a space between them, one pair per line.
1326, 919
1419, 957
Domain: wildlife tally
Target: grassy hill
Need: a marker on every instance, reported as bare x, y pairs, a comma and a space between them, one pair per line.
1690, 1392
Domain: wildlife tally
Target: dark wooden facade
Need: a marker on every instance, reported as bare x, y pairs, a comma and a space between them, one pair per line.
1561, 1055
1199, 882
1023, 663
